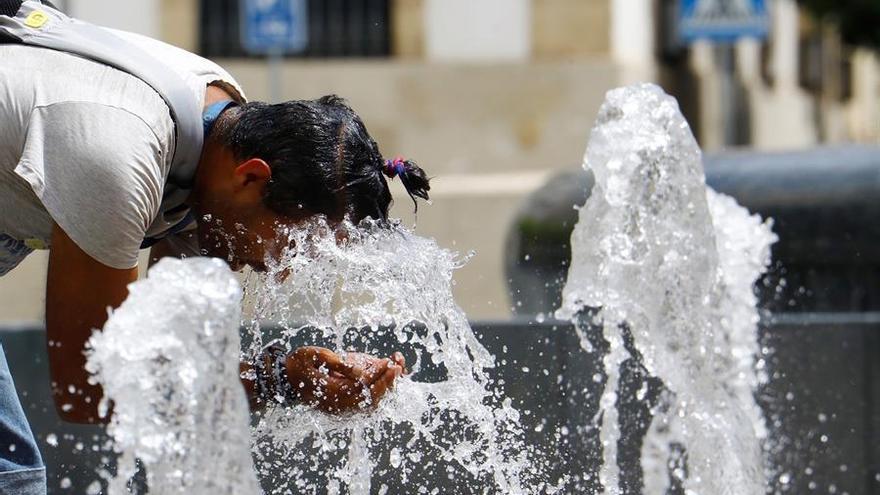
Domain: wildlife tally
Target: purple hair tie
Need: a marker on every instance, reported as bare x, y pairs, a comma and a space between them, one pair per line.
395, 168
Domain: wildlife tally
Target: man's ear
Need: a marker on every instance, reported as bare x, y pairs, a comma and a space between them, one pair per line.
252, 171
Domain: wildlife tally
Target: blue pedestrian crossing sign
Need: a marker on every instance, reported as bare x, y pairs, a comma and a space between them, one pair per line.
722, 20
274, 26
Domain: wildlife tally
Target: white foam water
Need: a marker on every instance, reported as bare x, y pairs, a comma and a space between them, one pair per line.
360, 287
658, 256
168, 363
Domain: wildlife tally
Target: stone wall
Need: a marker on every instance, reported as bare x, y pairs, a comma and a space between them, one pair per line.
566, 29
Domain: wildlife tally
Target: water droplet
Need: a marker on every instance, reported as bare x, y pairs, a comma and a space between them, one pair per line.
394, 458
94, 488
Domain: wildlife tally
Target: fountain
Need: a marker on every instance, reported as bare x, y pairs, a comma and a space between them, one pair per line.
661, 264
665, 267
168, 360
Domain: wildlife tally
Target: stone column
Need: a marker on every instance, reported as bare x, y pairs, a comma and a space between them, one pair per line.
784, 47
141, 16
477, 30
748, 74
863, 109
705, 68
633, 39
785, 118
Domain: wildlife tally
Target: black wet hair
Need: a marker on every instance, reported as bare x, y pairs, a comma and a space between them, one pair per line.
323, 160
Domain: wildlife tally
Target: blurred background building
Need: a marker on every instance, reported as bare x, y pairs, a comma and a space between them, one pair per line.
493, 96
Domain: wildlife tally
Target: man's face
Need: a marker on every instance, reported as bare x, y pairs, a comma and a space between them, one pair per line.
239, 243
233, 221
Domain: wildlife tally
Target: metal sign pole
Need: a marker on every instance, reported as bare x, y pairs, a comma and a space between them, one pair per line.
275, 61
724, 61
274, 28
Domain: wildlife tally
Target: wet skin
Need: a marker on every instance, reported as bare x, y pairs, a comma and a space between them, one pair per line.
334, 384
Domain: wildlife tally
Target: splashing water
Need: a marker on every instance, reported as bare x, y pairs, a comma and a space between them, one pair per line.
660, 259
180, 410
447, 421
168, 361
664, 266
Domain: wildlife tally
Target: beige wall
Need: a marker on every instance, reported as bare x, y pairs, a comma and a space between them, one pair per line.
464, 119
565, 29
408, 30
22, 291
180, 20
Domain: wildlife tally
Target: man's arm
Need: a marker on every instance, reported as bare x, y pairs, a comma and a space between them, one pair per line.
79, 289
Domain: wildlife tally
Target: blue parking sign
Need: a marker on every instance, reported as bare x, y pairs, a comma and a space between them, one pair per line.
722, 20
274, 26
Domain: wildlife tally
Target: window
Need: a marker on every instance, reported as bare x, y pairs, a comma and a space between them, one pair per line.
337, 28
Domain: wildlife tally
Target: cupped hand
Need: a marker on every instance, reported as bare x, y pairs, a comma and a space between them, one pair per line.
335, 384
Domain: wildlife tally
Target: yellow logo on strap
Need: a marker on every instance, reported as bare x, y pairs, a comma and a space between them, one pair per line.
36, 244
36, 19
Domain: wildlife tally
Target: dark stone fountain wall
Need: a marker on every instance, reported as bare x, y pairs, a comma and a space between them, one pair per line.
824, 398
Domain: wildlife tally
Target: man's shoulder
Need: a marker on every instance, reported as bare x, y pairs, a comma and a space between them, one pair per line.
39, 78
202, 70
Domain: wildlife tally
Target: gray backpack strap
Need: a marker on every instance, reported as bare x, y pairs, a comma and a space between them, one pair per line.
40, 25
